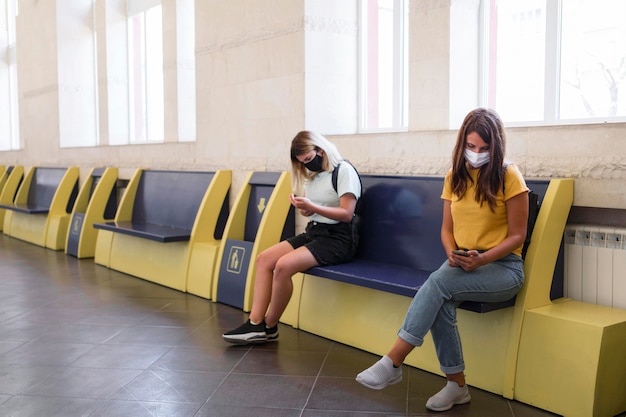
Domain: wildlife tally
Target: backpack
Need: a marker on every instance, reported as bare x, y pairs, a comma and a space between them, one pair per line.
533, 212
334, 176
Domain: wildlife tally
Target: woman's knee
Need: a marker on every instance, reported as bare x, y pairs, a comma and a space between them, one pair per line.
283, 269
266, 260
435, 280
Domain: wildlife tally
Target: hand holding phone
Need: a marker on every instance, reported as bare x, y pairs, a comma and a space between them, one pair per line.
460, 252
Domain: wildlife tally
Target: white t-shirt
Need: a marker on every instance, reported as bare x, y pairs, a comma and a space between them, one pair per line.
320, 190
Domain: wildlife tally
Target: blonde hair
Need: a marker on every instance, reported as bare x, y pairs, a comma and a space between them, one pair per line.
306, 141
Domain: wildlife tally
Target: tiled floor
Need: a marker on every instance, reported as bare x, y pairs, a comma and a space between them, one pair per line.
77, 339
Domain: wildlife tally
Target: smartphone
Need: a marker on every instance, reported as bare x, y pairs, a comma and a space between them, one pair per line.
460, 252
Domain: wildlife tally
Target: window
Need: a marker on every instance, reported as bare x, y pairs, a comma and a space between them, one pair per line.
551, 61
9, 123
383, 65
145, 61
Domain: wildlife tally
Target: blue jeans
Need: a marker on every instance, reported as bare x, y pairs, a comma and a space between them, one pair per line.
434, 305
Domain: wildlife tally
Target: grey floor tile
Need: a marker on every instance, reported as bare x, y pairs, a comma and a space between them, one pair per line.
150, 335
170, 386
21, 406
7, 346
139, 357
79, 333
338, 413
344, 394
16, 379
19, 329
116, 408
268, 391
205, 359
45, 353
83, 383
213, 410
284, 362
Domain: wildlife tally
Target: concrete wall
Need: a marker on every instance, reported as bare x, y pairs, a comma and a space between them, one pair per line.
253, 71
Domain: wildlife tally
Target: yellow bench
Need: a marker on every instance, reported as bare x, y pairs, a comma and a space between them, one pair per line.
10, 180
162, 225
41, 210
368, 318
572, 359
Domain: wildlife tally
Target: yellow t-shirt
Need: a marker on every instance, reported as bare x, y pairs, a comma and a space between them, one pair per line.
475, 226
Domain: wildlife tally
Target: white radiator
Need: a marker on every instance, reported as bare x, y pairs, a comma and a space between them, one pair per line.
595, 264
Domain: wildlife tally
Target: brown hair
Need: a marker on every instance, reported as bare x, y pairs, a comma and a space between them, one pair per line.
488, 125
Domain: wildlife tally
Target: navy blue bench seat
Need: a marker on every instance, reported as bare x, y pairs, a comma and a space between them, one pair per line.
401, 237
147, 231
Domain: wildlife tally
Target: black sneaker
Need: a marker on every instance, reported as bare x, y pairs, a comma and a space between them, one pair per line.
272, 333
247, 333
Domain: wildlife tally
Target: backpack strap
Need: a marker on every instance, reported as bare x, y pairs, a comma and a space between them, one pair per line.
335, 174
533, 212
504, 167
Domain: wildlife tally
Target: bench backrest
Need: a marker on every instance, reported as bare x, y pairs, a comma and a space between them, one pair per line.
43, 186
262, 185
170, 198
401, 219
111, 206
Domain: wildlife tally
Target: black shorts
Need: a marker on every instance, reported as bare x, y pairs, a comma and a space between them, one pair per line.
330, 244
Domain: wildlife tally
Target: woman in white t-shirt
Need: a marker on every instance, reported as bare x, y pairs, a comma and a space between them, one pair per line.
330, 237
485, 214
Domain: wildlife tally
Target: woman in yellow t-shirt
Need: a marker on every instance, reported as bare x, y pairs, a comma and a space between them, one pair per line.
485, 213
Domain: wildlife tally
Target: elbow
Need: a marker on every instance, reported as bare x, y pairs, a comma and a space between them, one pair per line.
347, 219
347, 216
520, 239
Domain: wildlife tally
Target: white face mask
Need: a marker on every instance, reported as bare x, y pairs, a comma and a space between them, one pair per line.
475, 159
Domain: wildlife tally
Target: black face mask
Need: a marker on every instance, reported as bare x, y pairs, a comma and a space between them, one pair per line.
315, 164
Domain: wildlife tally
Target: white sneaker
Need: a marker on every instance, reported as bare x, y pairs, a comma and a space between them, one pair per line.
381, 374
448, 397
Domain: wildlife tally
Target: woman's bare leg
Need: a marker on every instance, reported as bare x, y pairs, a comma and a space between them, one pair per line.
458, 378
399, 351
265, 264
299, 260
